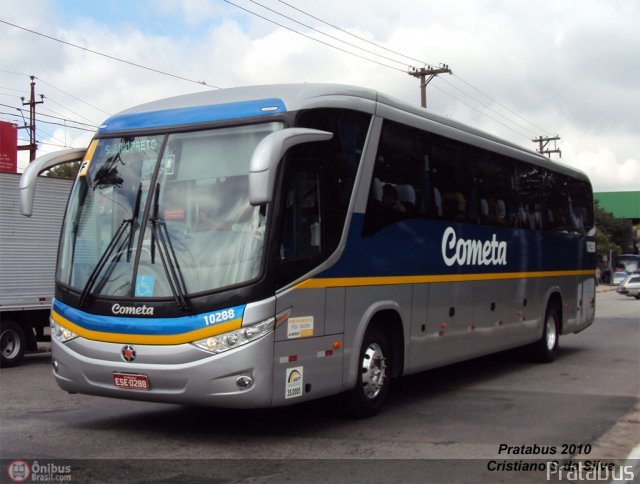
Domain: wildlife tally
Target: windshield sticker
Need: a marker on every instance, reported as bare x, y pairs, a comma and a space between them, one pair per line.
174, 214
293, 387
169, 164
145, 285
301, 327
84, 167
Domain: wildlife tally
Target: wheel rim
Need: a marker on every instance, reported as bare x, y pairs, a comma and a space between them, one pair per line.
551, 333
374, 371
9, 344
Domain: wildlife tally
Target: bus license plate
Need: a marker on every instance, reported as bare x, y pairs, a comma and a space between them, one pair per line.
131, 382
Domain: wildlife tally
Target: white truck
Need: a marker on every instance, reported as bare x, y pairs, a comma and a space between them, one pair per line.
28, 249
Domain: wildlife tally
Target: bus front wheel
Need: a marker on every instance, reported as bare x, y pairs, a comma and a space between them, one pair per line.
374, 364
546, 348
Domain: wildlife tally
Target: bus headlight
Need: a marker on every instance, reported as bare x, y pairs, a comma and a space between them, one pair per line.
233, 339
60, 333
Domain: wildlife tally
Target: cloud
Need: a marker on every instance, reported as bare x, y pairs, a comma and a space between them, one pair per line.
563, 67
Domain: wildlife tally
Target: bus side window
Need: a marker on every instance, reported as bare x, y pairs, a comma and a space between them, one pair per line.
401, 188
453, 176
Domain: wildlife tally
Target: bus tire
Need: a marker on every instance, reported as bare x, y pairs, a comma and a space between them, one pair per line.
12, 344
374, 376
545, 349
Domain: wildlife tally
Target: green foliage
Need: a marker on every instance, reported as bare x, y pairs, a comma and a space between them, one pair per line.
66, 170
612, 233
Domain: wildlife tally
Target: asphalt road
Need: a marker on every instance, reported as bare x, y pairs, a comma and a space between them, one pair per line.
445, 425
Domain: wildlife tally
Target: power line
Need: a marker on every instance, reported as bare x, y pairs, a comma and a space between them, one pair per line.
21, 91
313, 38
355, 36
56, 88
52, 137
70, 110
14, 72
94, 126
52, 122
74, 97
44, 143
481, 112
487, 106
51, 116
157, 71
435, 67
327, 35
309, 37
499, 103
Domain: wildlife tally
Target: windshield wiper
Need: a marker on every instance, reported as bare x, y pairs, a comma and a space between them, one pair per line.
104, 258
135, 216
170, 262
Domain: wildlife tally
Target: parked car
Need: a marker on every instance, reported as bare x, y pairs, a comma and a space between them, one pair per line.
630, 286
619, 277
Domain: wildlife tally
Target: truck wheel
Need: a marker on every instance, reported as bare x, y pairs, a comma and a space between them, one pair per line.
374, 378
12, 344
546, 348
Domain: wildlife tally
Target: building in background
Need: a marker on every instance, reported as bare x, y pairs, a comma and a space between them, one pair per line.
623, 205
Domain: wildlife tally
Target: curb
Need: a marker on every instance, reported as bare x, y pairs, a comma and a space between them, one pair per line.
605, 288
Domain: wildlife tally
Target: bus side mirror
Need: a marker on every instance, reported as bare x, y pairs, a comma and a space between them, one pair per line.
267, 156
37, 166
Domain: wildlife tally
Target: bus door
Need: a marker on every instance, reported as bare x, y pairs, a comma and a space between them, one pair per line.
308, 356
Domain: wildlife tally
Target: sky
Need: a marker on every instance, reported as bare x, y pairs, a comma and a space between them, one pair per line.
519, 70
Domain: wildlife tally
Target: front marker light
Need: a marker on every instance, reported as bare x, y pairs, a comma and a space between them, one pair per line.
233, 339
60, 333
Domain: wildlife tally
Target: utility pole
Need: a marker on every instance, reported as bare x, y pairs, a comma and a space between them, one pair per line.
32, 146
426, 75
543, 142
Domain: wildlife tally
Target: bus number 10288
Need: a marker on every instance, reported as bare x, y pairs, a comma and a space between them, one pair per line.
219, 317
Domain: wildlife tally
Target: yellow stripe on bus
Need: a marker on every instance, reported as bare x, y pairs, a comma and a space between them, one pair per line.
148, 339
393, 280
88, 156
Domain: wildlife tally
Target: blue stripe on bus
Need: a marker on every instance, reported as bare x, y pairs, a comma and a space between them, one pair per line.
414, 248
192, 115
146, 325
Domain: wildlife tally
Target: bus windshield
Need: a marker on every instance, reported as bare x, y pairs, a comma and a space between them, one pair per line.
156, 216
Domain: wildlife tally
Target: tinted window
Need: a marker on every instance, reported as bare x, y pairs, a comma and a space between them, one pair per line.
317, 187
496, 194
419, 174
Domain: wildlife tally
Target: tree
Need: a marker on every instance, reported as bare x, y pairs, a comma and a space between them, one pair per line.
66, 170
612, 233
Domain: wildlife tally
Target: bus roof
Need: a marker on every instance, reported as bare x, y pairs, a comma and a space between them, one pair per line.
254, 101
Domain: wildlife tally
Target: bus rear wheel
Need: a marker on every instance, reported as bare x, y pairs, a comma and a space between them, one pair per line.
12, 343
545, 349
374, 364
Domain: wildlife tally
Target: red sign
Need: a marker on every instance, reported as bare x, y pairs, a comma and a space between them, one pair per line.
8, 147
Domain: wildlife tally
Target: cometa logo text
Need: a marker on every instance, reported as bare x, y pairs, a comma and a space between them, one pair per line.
472, 252
132, 310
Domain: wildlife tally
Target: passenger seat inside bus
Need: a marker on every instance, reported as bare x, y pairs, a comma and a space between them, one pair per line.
407, 197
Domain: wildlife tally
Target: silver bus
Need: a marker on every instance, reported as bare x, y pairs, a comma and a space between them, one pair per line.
263, 246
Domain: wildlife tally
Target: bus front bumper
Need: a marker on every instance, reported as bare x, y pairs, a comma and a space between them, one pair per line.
183, 374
